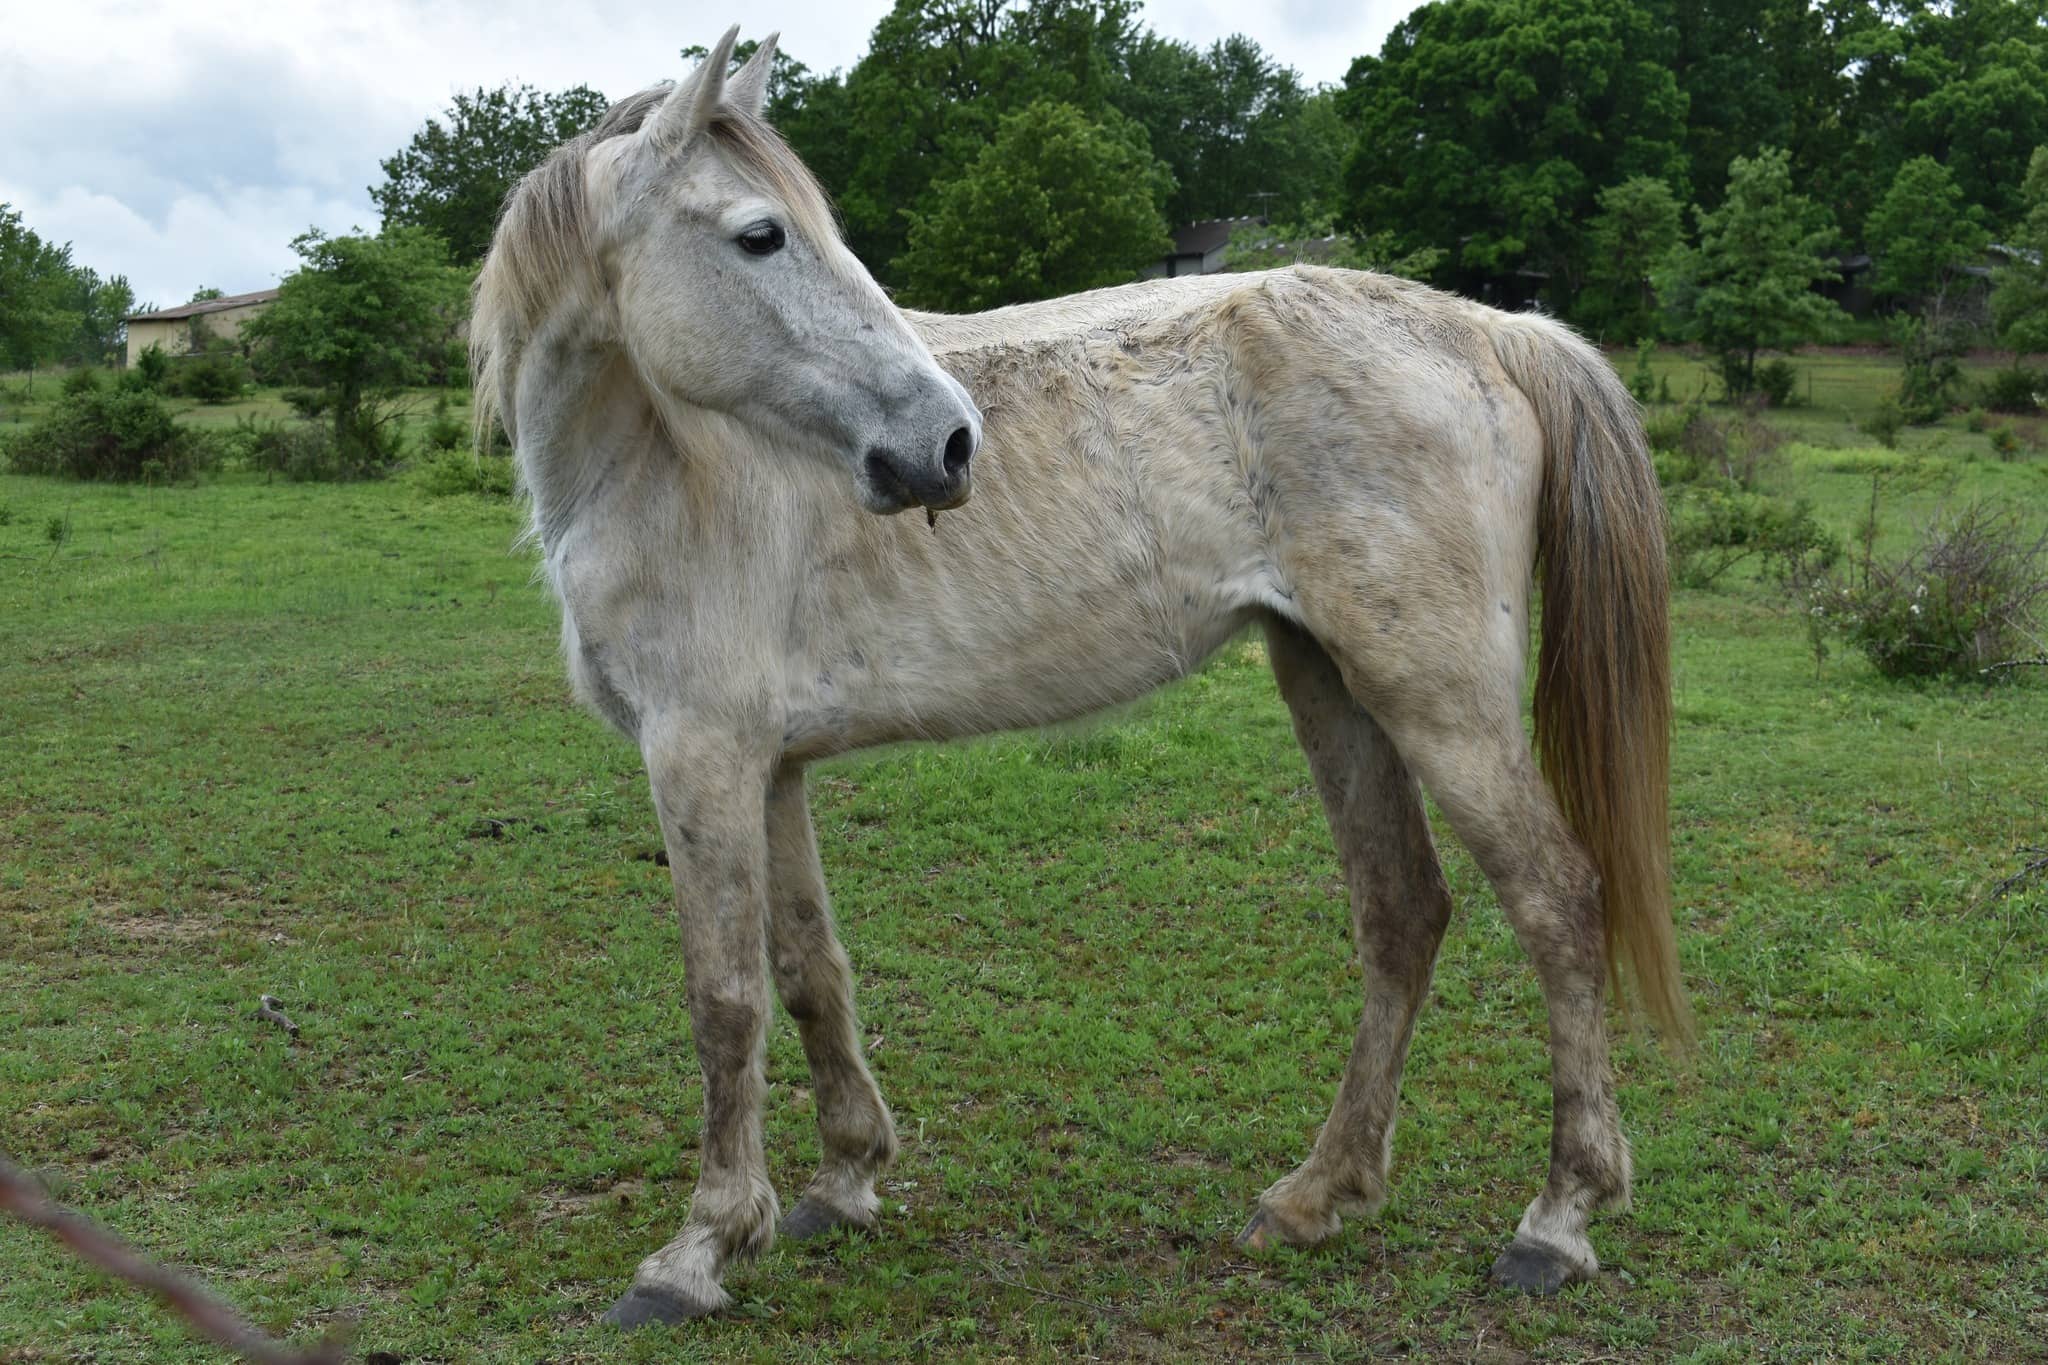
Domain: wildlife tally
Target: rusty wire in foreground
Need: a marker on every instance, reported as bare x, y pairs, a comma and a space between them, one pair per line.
22, 1195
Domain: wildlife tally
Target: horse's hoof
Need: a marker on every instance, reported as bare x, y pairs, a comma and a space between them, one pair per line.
642, 1305
813, 1217
1534, 1269
1260, 1233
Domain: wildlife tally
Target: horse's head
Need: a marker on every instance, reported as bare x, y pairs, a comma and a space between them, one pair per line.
734, 293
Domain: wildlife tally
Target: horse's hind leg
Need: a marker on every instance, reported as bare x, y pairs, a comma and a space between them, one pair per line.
1468, 746
1399, 907
815, 981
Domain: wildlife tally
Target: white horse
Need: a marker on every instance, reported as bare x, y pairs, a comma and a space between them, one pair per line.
705, 390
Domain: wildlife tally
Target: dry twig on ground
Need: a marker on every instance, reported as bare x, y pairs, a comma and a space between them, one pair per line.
22, 1195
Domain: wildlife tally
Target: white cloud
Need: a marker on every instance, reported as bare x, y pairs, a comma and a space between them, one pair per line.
236, 239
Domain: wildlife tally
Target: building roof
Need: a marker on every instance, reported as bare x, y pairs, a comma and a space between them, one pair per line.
203, 306
1199, 239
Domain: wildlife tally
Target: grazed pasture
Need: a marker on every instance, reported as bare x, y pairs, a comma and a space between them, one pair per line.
315, 742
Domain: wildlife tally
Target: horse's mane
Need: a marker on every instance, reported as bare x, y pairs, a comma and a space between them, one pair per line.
542, 248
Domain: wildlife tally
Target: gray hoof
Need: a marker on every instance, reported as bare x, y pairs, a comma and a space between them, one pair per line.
640, 1306
811, 1218
1534, 1269
1258, 1234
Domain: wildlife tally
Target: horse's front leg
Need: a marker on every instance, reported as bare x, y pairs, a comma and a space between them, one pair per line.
710, 790
815, 980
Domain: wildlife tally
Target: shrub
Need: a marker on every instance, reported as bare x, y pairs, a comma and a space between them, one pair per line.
1962, 599
213, 377
1741, 449
307, 403
307, 452
109, 435
444, 430
1976, 420
1885, 421
2015, 390
302, 452
82, 380
1643, 383
2005, 441
1716, 525
1777, 383
1932, 349
449, 472
152, 367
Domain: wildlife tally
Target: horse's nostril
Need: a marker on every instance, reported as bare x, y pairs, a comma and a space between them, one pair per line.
959, 450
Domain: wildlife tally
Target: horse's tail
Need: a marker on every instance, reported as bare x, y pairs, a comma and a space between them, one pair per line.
1603, 676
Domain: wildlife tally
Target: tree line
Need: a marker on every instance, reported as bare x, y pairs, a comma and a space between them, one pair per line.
1648, 169
52, 309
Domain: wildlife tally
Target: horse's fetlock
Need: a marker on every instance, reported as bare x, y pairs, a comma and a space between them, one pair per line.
741, 1216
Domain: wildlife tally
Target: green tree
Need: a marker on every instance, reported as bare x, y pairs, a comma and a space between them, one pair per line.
1488, 127
453, 178
36, 289
1238, 131
361, 317
1965, 83
1261, 246
1766, 73
2019, 289
1055, 203
938, 79
1639, 224
101, 307
1747, 286
1922, 233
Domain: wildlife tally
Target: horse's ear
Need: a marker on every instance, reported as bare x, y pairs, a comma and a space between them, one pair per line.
748, 88
689, 108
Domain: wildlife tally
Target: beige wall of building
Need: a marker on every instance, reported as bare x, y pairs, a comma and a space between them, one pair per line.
171, 328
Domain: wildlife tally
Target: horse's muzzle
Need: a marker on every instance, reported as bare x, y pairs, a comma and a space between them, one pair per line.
939, 482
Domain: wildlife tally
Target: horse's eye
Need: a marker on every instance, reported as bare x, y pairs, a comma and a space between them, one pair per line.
762, 239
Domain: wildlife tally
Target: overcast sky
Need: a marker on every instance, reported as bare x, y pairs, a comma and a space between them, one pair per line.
186, 143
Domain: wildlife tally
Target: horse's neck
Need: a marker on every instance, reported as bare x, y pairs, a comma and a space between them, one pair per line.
728, 568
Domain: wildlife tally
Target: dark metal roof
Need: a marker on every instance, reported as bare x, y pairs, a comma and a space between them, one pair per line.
204, 306
1199, 239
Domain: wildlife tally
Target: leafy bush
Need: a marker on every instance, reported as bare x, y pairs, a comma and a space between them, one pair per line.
302, 452
109, 435
82, 380
152, 367
2014, 390
1885, 422
1932, 349
1716, 525
1643, 383
213, 377
2005, 441
445, 431
1962, 599
307, 452
1777, 383
449, 472
1976, 420
307, 403
1741, 448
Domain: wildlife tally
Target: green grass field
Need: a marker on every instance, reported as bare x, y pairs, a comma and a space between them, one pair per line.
316, 741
